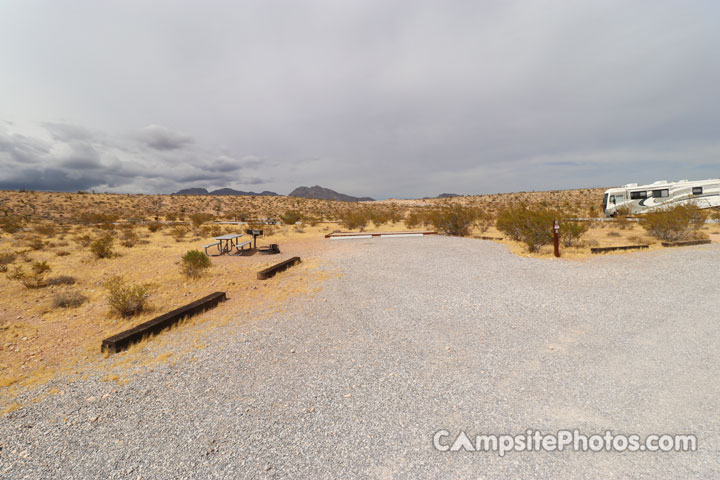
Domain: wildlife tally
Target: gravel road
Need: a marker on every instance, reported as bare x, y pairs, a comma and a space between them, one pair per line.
417, 335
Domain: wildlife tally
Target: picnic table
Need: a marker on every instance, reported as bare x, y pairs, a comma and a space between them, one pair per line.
225, 243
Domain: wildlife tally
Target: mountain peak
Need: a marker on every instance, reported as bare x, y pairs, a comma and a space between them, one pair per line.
323, 193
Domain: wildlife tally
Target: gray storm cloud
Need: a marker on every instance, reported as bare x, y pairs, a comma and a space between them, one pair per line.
406, 98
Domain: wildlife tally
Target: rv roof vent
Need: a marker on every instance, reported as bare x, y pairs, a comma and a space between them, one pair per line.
631, 185
659, 182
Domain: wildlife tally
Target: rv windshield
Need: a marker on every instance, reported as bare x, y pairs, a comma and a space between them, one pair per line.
605, 197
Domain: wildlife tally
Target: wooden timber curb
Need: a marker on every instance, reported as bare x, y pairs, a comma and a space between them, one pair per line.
685, 243
124, 339
280, 267
611, 249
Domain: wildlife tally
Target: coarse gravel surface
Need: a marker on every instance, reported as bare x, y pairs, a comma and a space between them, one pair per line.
417, 335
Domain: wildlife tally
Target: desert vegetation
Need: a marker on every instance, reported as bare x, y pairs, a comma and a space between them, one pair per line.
84, 266
194, 263
682, 222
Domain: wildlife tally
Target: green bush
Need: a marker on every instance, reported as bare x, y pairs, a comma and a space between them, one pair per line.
102, 247
676, 223
570, 232
194, 263
125, 299
198, 219
354, 219
532, 227
456, 219
291, 217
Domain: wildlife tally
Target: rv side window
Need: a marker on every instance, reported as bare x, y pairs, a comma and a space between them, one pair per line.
638, 195
661, 193
612, 199
697, 190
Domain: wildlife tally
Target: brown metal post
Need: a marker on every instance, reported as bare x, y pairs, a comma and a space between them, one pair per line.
556, 239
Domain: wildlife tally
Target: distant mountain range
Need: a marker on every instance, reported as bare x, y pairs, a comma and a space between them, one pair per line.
221, 191
326, 194
444, 195
304, 192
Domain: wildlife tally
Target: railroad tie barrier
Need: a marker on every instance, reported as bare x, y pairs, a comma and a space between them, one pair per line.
122, 340
611, 249
685, 243
280, 267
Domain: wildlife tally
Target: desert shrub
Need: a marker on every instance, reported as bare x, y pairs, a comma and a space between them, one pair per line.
179, 233
40, 267
621, 218
378, 217
413, 219
33, 280
532, 227
11, 223
92, 218
211, 230
613, 233
456, 219
17, 273
354, 219
194, 263
102, 247
170, 217
83, 240
571, 232
154, 226
291, 217
395, 215
484, 221
61, 280
62, 253
129, 238
6, 259
35, 243
46, 229
126, 299
675, 223
68, 300
198, 219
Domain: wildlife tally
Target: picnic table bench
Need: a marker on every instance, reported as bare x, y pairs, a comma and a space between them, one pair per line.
240, 247
209, 246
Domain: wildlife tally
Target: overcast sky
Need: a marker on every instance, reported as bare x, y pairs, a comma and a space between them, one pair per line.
379, 98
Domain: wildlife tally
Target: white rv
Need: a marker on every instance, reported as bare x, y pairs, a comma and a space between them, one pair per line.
643, 198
